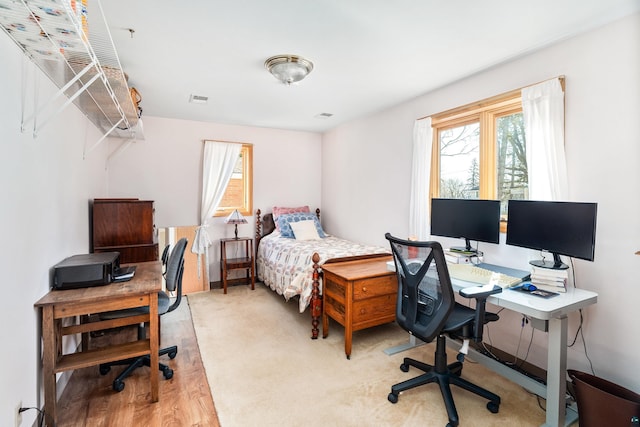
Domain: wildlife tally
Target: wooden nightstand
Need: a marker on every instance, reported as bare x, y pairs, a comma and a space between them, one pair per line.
243, 261
358, 295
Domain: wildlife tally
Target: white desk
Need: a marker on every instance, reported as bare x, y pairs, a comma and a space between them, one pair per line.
552, 315
549, 315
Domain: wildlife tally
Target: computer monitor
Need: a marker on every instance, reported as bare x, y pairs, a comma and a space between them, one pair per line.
469, 219
561, 228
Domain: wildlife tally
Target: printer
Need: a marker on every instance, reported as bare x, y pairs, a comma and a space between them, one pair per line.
86, 270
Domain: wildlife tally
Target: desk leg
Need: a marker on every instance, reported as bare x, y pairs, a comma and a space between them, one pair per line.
154, 329
556, 372
325, 323
253, 275
413, 342
348, 320
49, 356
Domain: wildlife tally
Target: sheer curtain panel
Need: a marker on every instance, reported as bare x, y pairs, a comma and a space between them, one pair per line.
217, 166
420, 175
543, 112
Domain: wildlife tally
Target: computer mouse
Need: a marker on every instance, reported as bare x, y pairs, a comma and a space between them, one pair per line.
529, 287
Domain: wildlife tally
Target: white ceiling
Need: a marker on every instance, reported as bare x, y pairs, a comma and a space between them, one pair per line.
368, 54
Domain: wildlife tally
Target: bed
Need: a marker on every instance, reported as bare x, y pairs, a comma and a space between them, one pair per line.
289, 262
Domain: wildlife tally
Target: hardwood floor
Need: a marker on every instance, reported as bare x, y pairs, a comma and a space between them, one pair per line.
185, 399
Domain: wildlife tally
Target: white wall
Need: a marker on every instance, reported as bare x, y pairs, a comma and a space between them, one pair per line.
45, 186
366, 174
167, 167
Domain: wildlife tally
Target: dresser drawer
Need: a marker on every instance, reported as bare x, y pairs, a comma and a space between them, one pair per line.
371, 287
374, 311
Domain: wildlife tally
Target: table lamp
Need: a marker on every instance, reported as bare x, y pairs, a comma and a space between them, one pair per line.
235, 218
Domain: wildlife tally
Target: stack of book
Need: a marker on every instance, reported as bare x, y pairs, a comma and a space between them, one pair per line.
549, 279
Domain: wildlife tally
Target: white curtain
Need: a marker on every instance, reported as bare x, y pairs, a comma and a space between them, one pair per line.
420, 176
543, 112
217, 167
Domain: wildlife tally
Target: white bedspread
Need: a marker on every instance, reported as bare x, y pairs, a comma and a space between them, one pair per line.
285, 265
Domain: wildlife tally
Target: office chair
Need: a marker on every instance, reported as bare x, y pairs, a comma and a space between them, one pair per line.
165, 257
173, 280
426, 308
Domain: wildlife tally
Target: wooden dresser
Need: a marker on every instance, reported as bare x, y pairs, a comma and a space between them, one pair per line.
358, 294
126, 226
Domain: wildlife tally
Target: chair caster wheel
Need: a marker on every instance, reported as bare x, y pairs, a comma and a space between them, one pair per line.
493, 407
404, 367
393, 398
118, 385
173, 354
104, 370
168, 373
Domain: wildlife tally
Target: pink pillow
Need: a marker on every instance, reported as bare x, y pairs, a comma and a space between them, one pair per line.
279, 210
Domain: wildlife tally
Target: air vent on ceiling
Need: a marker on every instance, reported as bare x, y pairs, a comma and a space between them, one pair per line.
198, 99
324, 115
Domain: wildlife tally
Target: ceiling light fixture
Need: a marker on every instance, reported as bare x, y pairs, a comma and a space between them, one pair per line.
288, 68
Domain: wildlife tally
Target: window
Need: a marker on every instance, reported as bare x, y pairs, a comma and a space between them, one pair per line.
239, 192
479, 151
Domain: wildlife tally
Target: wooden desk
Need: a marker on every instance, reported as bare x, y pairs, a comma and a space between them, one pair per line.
57, 305
358, 294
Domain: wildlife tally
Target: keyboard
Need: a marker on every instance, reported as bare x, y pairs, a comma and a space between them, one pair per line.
481, 276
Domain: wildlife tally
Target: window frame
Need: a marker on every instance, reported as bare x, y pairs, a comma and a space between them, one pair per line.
246, 209
485, 113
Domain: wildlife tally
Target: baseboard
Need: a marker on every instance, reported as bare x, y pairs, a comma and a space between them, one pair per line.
231, 282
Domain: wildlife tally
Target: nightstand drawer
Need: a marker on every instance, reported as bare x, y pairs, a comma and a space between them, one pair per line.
374, 311
371, 287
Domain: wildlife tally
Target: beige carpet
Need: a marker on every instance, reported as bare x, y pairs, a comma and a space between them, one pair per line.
265, 370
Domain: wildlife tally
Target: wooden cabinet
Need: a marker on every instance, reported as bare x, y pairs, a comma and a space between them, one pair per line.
242, 260
126, 226
358, 294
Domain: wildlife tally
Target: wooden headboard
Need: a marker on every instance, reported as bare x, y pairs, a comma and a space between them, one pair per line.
264, 225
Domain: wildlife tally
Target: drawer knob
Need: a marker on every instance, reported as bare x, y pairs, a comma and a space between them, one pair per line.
364, 289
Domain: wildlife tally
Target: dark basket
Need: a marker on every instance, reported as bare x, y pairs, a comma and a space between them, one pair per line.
603, 403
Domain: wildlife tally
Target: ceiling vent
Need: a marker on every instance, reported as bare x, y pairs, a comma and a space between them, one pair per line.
198, 99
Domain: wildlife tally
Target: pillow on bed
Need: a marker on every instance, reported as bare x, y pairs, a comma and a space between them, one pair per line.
285, 226
279, 210
305, 230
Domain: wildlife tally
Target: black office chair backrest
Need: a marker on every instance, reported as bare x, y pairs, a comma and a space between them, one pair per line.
175, 266
425, 296
165, 255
